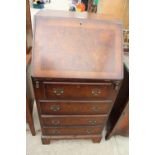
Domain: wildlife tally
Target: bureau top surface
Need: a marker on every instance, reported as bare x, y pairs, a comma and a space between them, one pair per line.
76, 45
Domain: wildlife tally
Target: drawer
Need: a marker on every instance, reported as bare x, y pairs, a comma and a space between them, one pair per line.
75, 120
75, 107
72, 130
67, 90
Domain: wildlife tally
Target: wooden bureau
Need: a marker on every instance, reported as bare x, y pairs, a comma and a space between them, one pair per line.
76, 73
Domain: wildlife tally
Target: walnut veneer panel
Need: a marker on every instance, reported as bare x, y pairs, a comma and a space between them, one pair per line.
73, 45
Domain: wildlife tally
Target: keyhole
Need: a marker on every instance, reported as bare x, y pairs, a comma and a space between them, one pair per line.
80, 23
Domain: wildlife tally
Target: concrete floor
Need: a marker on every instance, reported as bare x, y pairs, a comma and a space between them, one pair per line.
117, 145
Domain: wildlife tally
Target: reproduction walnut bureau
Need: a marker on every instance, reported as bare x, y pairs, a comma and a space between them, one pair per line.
76, 73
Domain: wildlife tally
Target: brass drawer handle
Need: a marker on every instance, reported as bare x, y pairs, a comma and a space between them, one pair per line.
55, 108
89, 131
58, 91
55, 122
96, 91
92, 122
95, 109
55, 132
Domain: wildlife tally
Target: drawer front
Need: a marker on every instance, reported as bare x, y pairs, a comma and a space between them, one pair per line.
60, 90
72, 130
74, 120
75, 108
